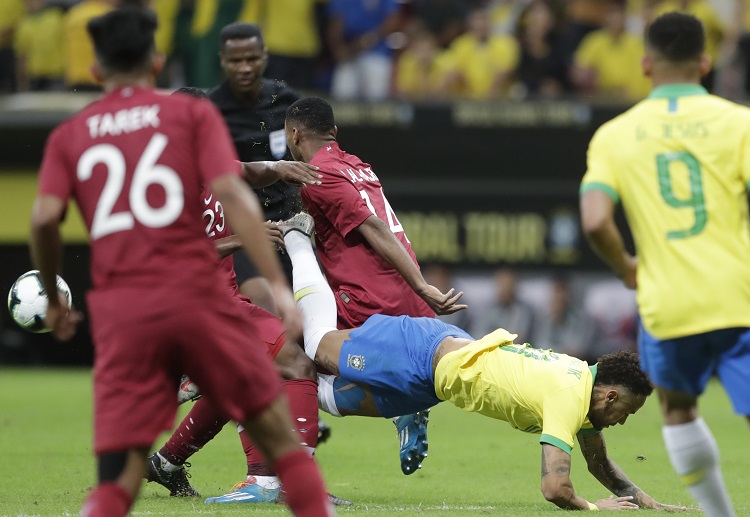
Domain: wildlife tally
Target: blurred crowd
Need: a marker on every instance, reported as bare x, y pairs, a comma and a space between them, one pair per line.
377, 49
577, 314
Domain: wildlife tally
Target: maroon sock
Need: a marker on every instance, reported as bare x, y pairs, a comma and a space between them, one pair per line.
108, 500
199, 426
303, 485
302, 395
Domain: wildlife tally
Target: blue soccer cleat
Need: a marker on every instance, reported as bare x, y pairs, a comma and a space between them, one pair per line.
248, 492
412, 435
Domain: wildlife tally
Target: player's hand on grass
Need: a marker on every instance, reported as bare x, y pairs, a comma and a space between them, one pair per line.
62, 319
297, 173
288, 311
274, 234
442, 303
617, 503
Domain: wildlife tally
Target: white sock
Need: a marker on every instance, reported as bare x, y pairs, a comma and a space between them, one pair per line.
266, 481
166, 465
312, 292
326, 398
694, 455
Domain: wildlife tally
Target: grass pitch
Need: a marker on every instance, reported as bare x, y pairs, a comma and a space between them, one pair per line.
476, 466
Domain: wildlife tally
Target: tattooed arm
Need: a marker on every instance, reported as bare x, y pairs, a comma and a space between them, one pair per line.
607, 472
558, 488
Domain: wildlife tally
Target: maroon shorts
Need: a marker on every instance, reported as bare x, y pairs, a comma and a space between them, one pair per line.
270, 328
146, 339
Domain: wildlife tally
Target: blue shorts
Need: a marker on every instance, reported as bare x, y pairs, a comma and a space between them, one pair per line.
687, 363
393, 357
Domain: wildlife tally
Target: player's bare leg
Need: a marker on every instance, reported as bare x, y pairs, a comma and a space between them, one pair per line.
120, 476
693, 452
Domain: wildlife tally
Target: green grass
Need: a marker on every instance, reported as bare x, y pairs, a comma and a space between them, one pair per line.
477, 466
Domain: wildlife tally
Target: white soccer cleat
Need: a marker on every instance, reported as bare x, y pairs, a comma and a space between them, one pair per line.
187, 391
301, 222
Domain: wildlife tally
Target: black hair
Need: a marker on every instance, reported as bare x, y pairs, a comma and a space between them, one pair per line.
677, 37
623, 369
124, 38
192, 91
313, 113
241, 30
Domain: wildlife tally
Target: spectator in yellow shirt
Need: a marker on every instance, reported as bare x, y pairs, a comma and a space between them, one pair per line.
608, 62
79, 51
418, 68
480, 64
291, 34
38, 46
11, 12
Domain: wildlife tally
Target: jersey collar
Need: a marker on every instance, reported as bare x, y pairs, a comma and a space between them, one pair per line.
671, 91
593, 368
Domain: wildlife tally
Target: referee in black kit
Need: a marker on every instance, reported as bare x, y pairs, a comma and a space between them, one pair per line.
254, 108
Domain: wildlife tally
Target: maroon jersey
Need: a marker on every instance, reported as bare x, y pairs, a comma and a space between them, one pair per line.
135, 161
367, 284
217, 227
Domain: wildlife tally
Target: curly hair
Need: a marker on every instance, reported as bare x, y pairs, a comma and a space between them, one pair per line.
623, 369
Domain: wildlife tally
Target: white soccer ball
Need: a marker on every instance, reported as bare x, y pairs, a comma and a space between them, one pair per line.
27, 301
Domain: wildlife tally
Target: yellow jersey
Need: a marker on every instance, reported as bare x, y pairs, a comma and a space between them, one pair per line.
79, 50
680, 163
616, 62
11, 12
535, 391
39, 40
479, 63
289, 28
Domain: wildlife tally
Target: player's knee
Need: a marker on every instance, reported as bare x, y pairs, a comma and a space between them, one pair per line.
294, 364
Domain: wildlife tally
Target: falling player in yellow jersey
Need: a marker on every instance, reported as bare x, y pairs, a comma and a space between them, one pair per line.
679, 162
401, 365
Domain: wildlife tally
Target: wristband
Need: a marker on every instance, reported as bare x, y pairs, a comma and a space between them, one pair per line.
592, 506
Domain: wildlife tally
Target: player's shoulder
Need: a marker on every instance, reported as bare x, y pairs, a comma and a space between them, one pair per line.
732, 108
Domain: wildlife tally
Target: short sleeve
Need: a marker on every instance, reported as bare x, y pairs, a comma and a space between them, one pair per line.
562, 418
216, 153
339, 201
56, 175
600, 173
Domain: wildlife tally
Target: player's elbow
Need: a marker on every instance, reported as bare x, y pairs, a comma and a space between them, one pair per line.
558, 494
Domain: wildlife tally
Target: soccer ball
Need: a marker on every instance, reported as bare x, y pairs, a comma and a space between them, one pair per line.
27, 301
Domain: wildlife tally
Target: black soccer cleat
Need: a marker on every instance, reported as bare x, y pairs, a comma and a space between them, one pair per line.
175, 481
324, 431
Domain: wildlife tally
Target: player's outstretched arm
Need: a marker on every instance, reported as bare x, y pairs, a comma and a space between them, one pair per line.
263, 174
597, 219
246, 218
228, 245
385, 244
558, 488
606, 471
46, 252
